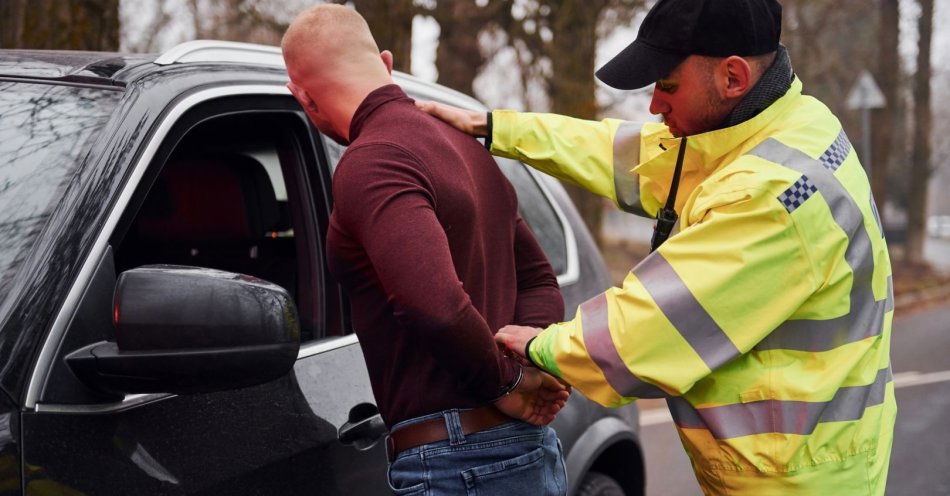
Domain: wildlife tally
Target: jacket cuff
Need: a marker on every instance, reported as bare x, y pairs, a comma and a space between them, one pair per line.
527, 352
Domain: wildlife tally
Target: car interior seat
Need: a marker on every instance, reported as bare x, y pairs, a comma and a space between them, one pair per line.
218, 211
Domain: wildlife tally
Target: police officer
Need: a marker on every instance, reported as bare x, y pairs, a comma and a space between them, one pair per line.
765, 319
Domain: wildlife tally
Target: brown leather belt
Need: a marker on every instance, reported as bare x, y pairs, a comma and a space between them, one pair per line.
434, 430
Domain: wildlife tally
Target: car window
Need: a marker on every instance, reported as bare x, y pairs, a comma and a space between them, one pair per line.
45, 132
537, 211
222, 201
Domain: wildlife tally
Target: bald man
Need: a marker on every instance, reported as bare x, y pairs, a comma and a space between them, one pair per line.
426, 239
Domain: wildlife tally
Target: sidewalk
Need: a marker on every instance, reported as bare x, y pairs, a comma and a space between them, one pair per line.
917, 287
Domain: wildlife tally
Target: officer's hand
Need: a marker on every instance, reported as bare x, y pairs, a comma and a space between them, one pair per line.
536, 399
515, 338
468, 121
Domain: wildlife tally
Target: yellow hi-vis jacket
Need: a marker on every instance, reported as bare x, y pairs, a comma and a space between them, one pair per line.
765, 320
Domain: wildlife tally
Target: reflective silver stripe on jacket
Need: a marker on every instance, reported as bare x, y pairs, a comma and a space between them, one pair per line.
626, 157
601, 349
866, 317
684, 311
787, 417
877, 216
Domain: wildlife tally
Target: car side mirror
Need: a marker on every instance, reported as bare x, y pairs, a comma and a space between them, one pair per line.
191, 330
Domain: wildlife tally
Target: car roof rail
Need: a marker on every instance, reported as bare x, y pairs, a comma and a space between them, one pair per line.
222, 51
199, 51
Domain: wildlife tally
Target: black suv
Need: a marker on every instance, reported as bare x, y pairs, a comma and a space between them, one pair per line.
167, 322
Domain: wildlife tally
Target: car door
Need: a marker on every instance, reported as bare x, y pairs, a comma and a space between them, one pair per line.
231, 180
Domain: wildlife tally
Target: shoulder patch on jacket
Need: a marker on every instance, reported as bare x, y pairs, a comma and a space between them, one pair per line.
797, 193
836, 153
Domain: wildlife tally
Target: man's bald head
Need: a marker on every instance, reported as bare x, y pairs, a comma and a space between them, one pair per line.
333, 63
328, 36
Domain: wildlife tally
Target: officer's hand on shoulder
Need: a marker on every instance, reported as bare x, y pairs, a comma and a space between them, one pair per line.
468, 121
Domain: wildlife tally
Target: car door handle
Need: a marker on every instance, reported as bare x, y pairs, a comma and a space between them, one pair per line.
363, 433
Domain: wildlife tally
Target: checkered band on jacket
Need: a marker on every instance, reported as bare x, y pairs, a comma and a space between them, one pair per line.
836, 153
797, 193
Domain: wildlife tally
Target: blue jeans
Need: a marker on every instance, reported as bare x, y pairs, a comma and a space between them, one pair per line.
510, 459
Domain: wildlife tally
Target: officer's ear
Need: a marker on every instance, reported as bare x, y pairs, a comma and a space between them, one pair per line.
733, 77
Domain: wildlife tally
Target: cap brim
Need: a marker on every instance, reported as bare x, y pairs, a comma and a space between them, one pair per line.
637, 66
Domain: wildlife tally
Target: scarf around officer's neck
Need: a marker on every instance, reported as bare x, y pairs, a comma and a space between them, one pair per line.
773, 84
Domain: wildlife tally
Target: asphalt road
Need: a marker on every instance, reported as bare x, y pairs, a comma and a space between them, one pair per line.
920, 461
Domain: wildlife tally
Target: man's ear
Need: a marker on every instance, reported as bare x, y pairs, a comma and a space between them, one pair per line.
737, 75
303, 98
387, 57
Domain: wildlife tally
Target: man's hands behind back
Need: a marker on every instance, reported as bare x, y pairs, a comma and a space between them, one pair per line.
539, 396
536, 399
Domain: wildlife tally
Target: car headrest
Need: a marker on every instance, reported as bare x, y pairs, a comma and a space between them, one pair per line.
220, 197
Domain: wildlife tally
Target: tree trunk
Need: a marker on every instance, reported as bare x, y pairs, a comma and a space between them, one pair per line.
391, 24
886, 122
458, 57
923, 119
60, 24
571, 85
828, 62
11, 22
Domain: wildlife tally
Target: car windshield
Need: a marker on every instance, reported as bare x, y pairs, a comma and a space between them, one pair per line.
45, 133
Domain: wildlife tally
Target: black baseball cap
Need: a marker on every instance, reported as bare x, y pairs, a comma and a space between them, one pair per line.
676, 29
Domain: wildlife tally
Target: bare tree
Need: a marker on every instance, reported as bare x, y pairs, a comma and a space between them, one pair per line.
147, 38
391, 24
923, 120
235, 20
827, 62
886, 122
460, 56
60, 24
560, 37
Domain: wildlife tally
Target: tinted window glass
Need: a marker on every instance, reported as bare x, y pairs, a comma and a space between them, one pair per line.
222, 201
45, 132
538, 213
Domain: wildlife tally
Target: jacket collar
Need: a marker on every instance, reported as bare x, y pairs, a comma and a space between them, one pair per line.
658, 147
774, 83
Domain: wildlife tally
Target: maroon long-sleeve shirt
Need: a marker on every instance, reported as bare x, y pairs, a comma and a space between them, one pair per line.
426, 239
